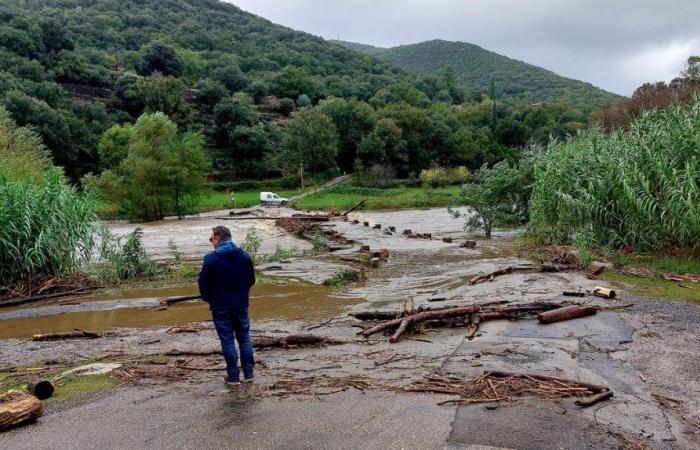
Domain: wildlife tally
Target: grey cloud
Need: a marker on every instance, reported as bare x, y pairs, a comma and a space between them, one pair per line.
615, 44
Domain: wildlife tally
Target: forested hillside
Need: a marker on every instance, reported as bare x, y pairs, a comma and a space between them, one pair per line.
256, 98
475, 67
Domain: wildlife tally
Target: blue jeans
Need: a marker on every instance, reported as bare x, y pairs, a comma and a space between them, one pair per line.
230, 324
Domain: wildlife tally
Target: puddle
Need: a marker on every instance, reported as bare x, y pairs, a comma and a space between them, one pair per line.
268, 301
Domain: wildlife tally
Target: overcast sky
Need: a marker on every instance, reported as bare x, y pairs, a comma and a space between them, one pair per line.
614, 44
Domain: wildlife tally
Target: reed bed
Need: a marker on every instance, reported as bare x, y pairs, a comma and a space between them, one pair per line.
636, 190
47, 229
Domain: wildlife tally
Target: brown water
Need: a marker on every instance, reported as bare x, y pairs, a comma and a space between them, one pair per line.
268, 301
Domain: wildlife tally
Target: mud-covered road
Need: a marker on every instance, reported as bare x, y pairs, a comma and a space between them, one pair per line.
351, 395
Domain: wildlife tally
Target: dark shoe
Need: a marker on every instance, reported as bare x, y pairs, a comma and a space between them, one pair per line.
230, 383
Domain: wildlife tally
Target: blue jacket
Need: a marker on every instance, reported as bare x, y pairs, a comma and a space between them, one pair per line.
226, 277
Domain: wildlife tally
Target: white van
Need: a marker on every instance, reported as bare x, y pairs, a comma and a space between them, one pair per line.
270, 198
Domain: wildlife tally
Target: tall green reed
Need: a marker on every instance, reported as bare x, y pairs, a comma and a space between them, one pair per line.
638, 189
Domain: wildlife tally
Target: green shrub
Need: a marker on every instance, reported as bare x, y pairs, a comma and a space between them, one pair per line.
635, 190
498, 196
343, 278
251, 244
123, 261
444, 176
46, 229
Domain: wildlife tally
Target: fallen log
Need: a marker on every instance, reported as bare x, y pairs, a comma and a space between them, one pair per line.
445, 316
376, 315
359, 205
76, 334
529, 307
490, 276
172, 300
573, 294
18, 408
595, 272
603, 292
593, 399
566, 313
411, 320
41, 389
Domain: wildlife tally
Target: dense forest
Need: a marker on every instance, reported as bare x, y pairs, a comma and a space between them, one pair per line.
262, 97
475, 67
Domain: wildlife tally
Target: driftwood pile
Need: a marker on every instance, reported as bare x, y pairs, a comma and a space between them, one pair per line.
45, 289
496, 386
396, 325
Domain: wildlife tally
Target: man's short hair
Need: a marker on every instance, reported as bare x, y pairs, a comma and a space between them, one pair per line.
223, 233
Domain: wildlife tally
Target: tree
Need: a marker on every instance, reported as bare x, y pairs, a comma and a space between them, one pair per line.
230, 76
384, 145
496, 196
165, 94
292, 82
114, 145
691, 73
126, 90
209, 92
161, 173
415, 131
22, 153
353, 120
311, 138
230, 113
160, 58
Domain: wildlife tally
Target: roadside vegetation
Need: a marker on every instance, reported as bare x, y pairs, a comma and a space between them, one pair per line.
636, 190
345, 196
47, 227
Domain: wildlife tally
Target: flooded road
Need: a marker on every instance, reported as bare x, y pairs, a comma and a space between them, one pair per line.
642, 349
140, 308
191, 235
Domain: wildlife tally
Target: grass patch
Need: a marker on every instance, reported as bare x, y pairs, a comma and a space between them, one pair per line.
343, 197
73, 387
655, 287
668, 264
210, 201
343, 278
69, 388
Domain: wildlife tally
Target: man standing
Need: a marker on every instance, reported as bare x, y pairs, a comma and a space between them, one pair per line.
224, 282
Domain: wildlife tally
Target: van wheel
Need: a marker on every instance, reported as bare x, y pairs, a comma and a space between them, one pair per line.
284, 203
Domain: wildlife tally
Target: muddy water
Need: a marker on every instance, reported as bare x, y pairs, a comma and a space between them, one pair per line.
268, 301
191, 235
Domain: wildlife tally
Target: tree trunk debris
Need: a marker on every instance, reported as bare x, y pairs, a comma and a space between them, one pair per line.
566, 313
573, 294
604, 292
359, 205
18, 408
76, 334
41, 389
470, 316
172, 300
597, 270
